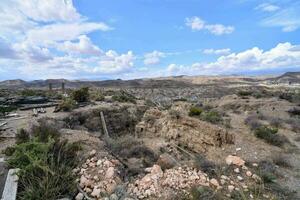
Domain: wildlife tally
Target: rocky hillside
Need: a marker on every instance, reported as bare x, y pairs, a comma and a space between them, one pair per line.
287, 78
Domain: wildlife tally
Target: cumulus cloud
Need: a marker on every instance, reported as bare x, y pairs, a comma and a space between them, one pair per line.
83, 46
53, 37
267, 7
153, 58
114, 63
197, 24
48, 11
217, 51
284, 55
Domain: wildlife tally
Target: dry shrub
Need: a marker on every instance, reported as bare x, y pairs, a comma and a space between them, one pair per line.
253, 122
282, 160
205, 165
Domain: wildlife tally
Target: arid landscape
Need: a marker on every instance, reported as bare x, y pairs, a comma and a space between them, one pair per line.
185, 137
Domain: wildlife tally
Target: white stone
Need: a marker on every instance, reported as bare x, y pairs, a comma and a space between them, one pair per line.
230, 188
240, 178
236, 170
93, 152
214, 182
110, 173
79, 196
96, 192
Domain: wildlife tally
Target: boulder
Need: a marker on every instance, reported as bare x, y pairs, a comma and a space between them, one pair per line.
234, 160
110, 173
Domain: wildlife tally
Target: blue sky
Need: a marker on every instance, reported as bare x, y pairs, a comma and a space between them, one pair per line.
97, 39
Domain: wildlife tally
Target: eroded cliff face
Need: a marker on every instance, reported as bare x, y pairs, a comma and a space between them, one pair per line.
183, 130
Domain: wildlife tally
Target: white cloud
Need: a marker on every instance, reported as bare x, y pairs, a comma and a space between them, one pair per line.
70, 66
219, 29
6, 50
197, 24
153, 57
49, 34
288, 19
267, 7
49, 11
52, 37
217, 51
113, 63
83, 46
284, 55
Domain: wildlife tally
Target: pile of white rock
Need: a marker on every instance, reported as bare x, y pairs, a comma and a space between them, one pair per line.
98, 176
156, 182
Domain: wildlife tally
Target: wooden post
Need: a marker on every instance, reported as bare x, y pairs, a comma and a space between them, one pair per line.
63, 87
104, 124
50, 87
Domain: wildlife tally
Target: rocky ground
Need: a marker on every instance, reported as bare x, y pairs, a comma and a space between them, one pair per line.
155, 148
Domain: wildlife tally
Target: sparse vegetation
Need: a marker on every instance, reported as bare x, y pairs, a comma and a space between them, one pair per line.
128, 147
174, 114
45, 164
33, 92
212, 117
244, 93
22, 136
282, 160
81, 95
195, 111
207, 166
67, 104
123, 96
97, 95
6, 109
206, 114
270, 135
253, 122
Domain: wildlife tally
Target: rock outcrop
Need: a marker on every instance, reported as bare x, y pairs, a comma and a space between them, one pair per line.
187, 131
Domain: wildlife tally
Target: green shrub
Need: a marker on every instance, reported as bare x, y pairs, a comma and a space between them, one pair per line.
6, 109
195, 111
270, 135
245, 93
123, 96
67, 104
45, 167
32, 92
293, 97
81, 95
9, 151
257, 95
97, 96
212, 117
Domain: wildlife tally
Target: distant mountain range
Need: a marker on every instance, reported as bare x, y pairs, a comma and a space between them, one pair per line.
175, 81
